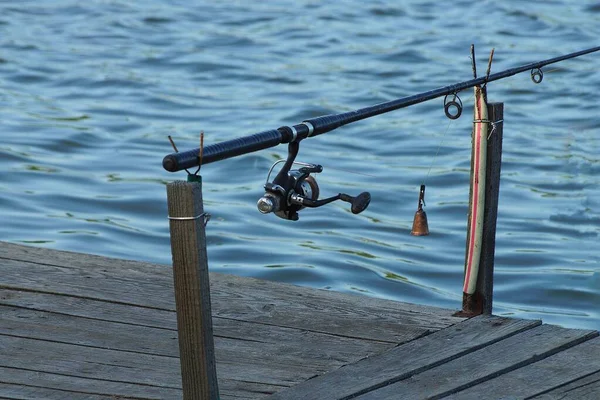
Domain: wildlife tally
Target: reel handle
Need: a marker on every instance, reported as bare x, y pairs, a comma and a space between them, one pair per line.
359, 203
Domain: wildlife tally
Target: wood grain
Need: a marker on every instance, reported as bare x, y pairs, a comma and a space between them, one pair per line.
587, 388
247, 299
107, 316
192, 291
316, 348
80, 326
244, 346
408, 359
22, 383
566, 373
499, 358
485, 279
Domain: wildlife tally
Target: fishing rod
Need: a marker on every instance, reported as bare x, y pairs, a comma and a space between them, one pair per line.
292, 190
312, 127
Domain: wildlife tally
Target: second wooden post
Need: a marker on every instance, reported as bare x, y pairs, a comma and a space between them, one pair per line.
480, 302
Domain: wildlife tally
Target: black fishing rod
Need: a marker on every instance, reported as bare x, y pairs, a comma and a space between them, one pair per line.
312, 127
295, 189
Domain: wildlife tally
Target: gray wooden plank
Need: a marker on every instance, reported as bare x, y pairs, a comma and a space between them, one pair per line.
544, 375
32, 324
501, 357
86, 362
246, 344
118, 366
237, 340
586, 388
236, 389
89, 308
135, 315
27, 384
149, 285
294, 354
259, 363
425, 316
407, 359
309, 352
25, 392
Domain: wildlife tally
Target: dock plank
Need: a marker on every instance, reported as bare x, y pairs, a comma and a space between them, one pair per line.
26, 392
86, 362
586, 388
256, 348
543, 376
408, 359
150, 285
501, 357
89, 308
71, 319
28, 384
245, 341
82, 326
128, 368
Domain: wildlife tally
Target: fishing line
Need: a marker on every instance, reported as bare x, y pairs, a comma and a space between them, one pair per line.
437, 151
441, 143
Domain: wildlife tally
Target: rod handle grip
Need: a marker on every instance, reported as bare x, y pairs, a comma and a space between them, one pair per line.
219, 151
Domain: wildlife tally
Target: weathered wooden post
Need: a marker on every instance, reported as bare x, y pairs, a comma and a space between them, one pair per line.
480, 302
192, 289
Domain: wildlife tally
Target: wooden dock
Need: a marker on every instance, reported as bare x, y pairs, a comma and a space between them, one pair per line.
76, 326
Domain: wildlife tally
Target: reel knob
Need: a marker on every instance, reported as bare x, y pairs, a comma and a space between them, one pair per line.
359, 203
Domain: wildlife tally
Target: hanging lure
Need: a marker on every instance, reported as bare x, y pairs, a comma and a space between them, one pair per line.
420, 226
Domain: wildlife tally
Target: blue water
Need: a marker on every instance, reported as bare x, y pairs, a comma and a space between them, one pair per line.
89, 92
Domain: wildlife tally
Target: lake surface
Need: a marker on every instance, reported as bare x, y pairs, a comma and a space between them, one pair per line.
89, 92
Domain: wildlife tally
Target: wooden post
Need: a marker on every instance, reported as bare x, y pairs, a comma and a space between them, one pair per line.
192, 290
480, 302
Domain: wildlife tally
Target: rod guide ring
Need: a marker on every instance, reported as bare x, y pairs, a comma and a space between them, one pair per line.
450, 104
537, 75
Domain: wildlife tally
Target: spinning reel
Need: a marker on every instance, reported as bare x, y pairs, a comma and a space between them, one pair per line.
293, 190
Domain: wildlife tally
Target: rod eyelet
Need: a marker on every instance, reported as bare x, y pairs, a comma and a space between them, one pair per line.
537, 75
454, 103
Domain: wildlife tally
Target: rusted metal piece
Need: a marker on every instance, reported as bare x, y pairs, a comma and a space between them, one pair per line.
420, 226
472, 305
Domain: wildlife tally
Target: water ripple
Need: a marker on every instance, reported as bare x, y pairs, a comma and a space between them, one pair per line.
91, 90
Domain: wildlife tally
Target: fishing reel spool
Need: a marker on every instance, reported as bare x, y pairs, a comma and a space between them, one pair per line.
293, 190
